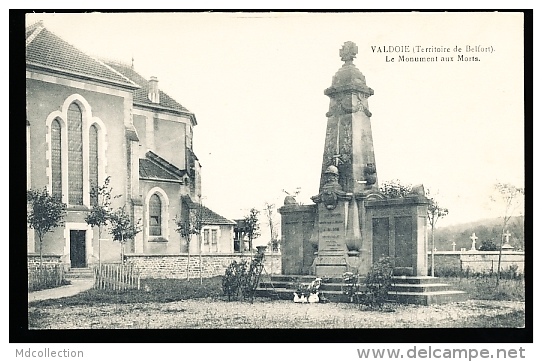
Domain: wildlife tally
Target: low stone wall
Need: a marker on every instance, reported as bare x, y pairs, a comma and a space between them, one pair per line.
173, 266
477, 261
47, 259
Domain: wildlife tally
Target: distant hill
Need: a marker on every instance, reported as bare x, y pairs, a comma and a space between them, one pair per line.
487, 229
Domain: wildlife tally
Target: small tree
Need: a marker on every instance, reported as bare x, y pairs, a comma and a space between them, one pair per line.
99, 214
434, 212
188, 227
122, 228
512, 197
44, 214
252, 226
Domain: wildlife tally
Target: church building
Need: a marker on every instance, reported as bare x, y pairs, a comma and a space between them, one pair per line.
89, 119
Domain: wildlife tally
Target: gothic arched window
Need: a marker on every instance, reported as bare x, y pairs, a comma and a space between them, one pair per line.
56, 159
93, 163
75, 155
155, 216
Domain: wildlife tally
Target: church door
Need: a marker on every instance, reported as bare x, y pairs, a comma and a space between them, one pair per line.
77, 249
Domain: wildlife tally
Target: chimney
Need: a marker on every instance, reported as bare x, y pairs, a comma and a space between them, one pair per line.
154, 93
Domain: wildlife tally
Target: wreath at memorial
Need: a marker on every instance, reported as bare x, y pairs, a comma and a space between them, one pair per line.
308, 293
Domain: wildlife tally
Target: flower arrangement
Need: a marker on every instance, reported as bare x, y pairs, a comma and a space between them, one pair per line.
308, 293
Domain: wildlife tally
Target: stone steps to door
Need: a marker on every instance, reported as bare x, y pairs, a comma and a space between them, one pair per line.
79, 273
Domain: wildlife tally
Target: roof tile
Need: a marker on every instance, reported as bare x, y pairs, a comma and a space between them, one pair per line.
48, 50
209, 217
141, 94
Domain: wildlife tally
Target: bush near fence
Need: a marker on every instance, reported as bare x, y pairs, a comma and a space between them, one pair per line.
116, 277
45, 277
511, 273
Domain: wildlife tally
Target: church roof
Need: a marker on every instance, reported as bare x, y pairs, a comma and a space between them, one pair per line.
45, 50
141, 94
209, 217
156, 168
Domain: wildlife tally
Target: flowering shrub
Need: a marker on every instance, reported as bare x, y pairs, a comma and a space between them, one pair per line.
351, 287
378, 282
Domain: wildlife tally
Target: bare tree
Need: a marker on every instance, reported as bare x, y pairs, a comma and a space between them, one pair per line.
100, 212
513, 199
188, 227
434, 212
269, 210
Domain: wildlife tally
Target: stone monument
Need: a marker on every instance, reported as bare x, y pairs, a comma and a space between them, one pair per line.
351, 224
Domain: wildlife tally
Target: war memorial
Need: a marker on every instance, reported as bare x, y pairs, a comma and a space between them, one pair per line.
352, 224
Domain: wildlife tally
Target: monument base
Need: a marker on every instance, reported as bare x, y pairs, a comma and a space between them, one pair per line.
335, 265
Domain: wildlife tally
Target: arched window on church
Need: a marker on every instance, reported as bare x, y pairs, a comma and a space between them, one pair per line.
75, 155
93, 164
56, 159
155, 216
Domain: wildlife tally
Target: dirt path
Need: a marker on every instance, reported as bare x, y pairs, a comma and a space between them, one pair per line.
76, 286
209, 313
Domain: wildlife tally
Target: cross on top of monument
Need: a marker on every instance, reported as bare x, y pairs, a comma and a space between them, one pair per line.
348, 51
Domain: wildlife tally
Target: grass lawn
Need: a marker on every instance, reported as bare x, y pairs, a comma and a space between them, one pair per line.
152, 290
484, 288
182, 304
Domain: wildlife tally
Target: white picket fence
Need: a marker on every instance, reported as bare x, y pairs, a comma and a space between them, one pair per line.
116, 277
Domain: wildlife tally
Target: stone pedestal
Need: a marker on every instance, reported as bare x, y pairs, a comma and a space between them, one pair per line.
331, 233
298, 247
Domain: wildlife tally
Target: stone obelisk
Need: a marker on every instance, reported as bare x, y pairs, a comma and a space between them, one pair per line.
348, 170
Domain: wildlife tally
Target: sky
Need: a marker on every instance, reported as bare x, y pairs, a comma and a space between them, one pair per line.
256, 81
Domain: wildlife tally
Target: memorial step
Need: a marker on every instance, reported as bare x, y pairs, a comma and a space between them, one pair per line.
406, 290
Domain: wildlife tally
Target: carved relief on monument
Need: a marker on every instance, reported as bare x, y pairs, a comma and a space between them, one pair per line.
370, 174
348, 103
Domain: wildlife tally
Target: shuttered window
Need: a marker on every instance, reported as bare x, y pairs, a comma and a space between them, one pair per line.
75, 155
155, 216
56, 159
214, 240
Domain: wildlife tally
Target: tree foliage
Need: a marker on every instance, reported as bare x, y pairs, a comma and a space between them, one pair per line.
100, 212
190, 225
394, 189
44, 214
122, 228
378, 283
252, 226
488, 245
